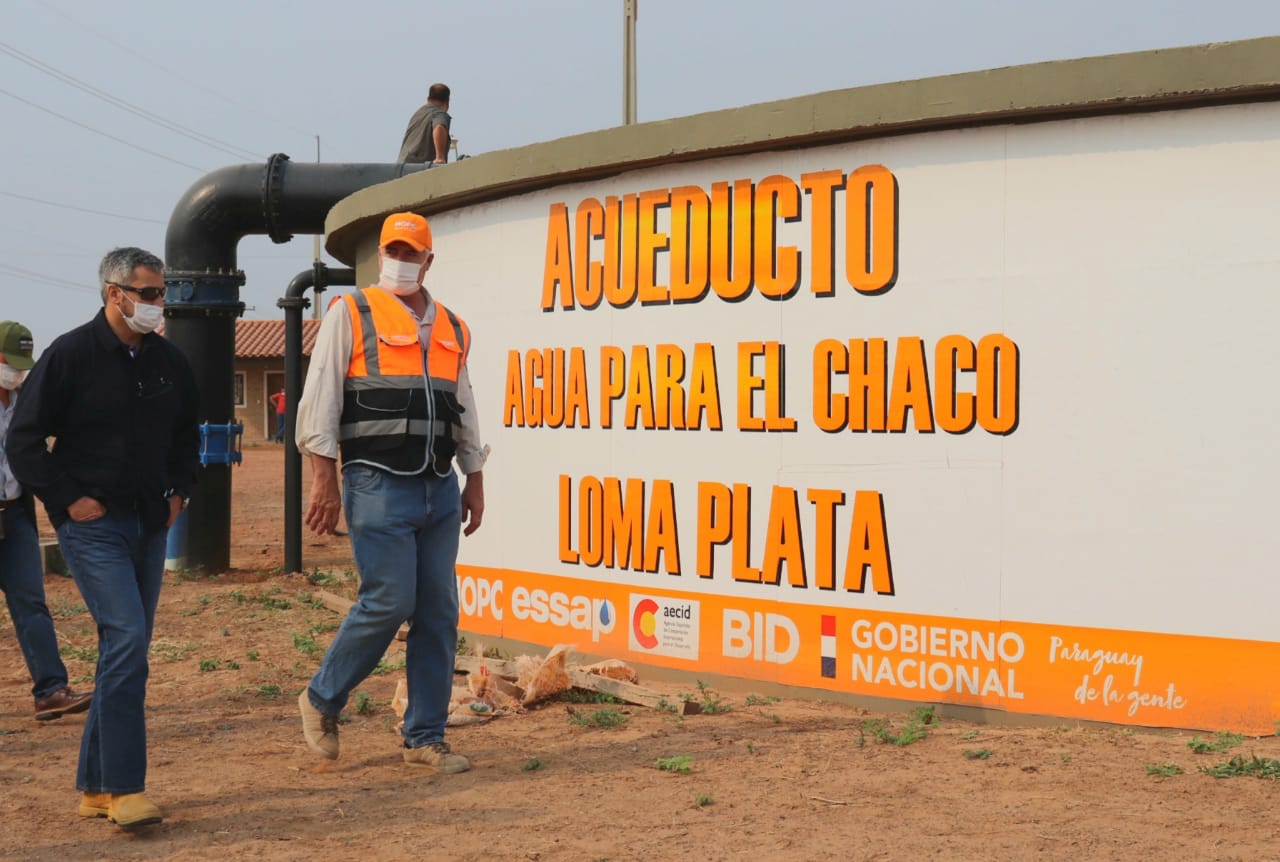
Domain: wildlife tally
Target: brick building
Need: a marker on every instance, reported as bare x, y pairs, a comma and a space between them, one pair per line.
259, 371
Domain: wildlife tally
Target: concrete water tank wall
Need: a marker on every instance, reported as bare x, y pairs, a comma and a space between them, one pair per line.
953, 390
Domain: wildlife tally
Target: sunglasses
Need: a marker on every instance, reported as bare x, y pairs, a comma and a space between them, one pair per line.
148, 294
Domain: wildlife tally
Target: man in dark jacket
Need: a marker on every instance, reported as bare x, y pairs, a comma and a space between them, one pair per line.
120, 403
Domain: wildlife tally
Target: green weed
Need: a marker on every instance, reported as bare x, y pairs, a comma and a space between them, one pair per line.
710, 702
89, 654
64, 610
269, 691
702, 800
1223, 740
318, 578
533, 764
578, 695
601, 718
188, 574
305, 644
916, 728
1164, 769
681, 763
364, 703
1258, 767
384, 667
757, 700
970, 734
976, 753
209, 664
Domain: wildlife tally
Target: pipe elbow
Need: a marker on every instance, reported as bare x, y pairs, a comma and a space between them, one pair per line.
212, 216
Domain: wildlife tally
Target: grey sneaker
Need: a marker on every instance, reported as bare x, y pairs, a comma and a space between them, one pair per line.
438, 755
320, 730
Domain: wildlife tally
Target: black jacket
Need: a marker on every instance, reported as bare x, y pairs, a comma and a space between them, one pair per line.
125, 428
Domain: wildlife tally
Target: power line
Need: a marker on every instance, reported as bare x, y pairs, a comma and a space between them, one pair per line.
44, 279
80, 209
100, 132
173, 73
198, 137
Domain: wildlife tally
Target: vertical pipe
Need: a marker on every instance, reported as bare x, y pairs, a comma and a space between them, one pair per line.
294, 302
208, 339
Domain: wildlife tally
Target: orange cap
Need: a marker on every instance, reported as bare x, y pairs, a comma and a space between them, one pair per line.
406, 227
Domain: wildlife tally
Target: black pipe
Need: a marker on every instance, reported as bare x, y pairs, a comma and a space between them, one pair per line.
293, 302
202, 302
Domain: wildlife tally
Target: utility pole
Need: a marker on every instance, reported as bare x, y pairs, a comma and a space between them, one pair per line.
629, 13
315, 306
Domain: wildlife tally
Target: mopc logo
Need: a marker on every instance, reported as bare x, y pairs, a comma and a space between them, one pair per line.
664, 626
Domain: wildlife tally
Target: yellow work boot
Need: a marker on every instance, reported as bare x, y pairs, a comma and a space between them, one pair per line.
94, 804
131, 810
439, 756
320, 730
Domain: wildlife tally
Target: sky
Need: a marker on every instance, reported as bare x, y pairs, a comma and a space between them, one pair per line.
110, 111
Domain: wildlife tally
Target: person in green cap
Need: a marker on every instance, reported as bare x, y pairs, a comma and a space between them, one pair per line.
21, 565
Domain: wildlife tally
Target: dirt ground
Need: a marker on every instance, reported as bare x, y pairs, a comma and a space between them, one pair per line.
788, 779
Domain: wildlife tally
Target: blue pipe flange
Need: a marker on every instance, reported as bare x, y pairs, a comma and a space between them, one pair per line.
203, 288
220, 444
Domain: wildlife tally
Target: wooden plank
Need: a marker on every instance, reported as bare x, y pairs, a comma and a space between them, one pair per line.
341, 605
496, 666
626, 691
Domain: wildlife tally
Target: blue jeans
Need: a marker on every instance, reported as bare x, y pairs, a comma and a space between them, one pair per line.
404, 535
118, 565
22, 580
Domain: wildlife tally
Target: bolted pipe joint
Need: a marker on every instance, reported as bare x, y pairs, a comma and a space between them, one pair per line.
196, 294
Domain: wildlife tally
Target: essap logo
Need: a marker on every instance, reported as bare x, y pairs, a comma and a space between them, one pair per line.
578, 612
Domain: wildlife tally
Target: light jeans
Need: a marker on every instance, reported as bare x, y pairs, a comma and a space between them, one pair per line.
118, 566
404, 535
22, 580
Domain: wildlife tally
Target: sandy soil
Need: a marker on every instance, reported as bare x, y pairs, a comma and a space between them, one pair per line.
774, 780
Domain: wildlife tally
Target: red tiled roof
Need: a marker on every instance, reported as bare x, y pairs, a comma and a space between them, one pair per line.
264, 339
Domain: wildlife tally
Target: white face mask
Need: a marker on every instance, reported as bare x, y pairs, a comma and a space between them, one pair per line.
11, 378
399, 276
146, 318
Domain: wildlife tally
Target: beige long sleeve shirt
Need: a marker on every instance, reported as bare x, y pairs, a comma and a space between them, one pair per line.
320, 409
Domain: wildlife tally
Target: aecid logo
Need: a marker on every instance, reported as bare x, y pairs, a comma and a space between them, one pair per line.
644, 623
664, 626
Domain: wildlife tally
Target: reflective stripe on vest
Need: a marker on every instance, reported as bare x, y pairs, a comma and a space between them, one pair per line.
398, 412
